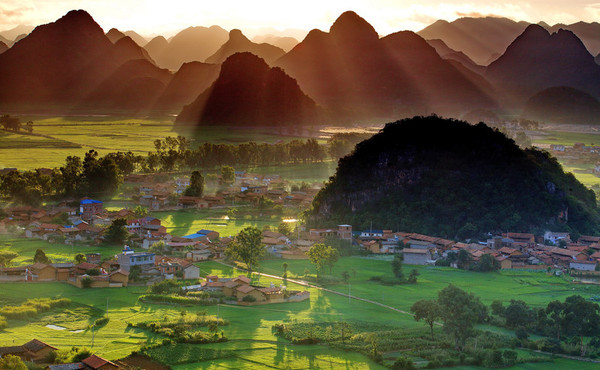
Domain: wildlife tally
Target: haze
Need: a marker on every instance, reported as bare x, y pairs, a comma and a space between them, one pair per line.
152, 17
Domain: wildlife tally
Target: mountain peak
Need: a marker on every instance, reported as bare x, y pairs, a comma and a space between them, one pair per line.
237, 35
535, 30
350, 25
76, 16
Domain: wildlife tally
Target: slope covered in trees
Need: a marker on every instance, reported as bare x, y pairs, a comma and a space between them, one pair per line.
443, 177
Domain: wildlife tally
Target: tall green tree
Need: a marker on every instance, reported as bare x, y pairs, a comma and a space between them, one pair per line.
196, 187
40, 257
427, 310
397, 267
116, 233
321, 255
247, 247
460, 312
228, 174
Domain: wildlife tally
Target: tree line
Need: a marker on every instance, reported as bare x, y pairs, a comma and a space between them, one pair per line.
100, 176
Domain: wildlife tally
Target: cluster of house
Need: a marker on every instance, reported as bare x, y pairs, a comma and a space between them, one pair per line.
37, 352
511, 250
578, 153
112, 273
247, 188
240, 288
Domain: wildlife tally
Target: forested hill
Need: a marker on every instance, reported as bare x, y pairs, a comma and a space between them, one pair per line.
448, 178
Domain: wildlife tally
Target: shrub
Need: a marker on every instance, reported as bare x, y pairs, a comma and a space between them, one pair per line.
510, 357
249, 298
87, 282
101, 321
3, 323
403, 363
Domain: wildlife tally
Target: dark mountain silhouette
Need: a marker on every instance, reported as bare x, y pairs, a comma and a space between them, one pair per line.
537, 60
359, 76
156, 47
249, 93
3, 47
114, 35
238, 43
61, 62
563, 105
479, 38
446, 53
286, 43
187, 84
135, 86
15, 32
434, 175
191, 44
589, 33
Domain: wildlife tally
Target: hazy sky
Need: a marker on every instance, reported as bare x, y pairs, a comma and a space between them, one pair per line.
151, 17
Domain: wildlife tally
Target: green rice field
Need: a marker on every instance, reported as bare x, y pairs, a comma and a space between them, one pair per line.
252, 343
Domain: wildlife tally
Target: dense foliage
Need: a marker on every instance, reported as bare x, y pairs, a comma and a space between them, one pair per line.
448, 178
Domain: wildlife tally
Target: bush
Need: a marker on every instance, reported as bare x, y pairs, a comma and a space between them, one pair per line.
249, 298
101, 321
403, 363
32, 307
510, 357
3, 323
87, 282
521, 333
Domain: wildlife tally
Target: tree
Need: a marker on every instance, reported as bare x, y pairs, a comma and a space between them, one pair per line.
160, 247
518, 314
196, 187
140, 211
321, 255
10, 123
247, 247
6, 258
412, 278
345, 276
397, 267
40, 257
487, 263
284, 228
580, 317
116, 232
228, 174
460, 311
79, 258
264, 203
463, 259
12, 362
427, 310
497, 308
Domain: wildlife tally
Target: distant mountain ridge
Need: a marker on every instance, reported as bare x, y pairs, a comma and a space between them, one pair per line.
250, 93
399, 74
238, 43
538, 60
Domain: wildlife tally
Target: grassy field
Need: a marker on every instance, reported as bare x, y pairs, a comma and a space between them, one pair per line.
180, 223
64, 136
252, 343
56, 252
568, 138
